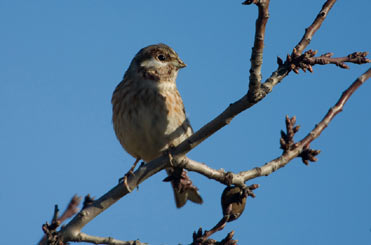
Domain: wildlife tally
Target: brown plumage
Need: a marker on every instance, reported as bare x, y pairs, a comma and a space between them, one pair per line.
149, 115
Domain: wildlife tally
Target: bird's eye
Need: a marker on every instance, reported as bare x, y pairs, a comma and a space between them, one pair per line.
161, 57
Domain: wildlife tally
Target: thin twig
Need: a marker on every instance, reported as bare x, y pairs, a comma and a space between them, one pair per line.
257, 50
307, 60
199, 240
283, 70
281, 161
355, 58
82, 237
311, 30
70, 211
338, 107
294, 151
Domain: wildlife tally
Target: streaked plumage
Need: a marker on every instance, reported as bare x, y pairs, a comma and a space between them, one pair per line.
148, 111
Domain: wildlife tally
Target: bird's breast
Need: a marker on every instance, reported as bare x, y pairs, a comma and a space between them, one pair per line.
151, 119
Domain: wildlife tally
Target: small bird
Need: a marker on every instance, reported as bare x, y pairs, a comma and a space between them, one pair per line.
149, 115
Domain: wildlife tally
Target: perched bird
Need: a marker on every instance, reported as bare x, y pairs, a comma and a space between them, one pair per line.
149, 116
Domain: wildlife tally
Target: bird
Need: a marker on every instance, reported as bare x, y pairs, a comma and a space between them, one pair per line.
148, 114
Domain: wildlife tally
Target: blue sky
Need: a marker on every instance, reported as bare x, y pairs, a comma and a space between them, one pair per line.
61, 60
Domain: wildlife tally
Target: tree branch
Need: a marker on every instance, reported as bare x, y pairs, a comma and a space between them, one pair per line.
70, 211
240, 178
283, 70
281, 161
355, 58
82, 237
72, 231
257, 50
307, 60
311, 30
338, 107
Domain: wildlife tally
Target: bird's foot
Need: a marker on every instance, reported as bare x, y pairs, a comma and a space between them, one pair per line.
124, 179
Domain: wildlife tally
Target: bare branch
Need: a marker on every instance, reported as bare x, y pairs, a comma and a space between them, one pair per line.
233, 204
283, 70
307, 60
82, 237
72, 231
200, 237
281, 161
257, 51
197, 239
73, 228
311, 30
287, 139
291, 152
338, 107
71, 210
355, 58
51, 236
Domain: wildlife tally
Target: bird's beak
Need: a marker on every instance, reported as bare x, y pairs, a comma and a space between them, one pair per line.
180, 64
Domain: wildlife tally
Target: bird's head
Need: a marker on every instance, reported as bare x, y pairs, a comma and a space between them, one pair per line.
157, 62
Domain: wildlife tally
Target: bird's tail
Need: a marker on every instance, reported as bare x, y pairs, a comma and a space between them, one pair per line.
182, 186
